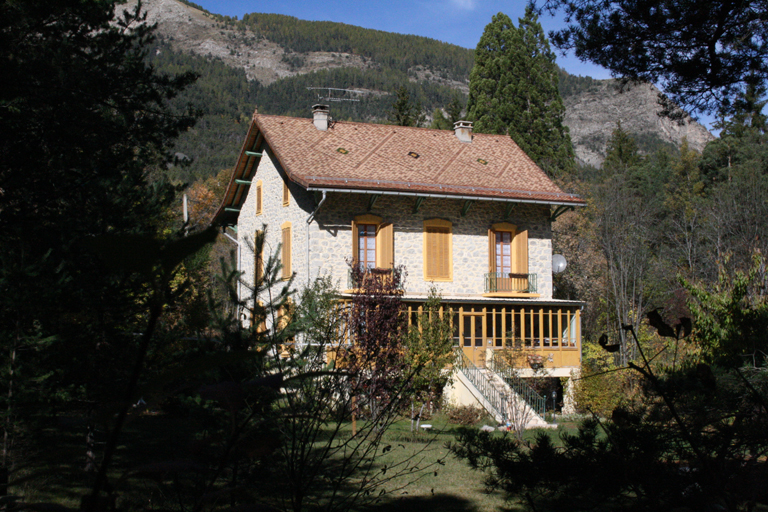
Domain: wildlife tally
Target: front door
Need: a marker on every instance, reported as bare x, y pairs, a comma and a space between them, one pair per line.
471, 330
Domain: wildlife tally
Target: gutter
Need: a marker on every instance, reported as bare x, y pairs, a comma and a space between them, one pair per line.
224, 232
441, 196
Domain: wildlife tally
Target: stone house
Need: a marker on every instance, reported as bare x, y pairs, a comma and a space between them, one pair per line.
468, 213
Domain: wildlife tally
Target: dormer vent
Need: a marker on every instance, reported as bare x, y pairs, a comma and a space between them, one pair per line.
320, 115
463, 130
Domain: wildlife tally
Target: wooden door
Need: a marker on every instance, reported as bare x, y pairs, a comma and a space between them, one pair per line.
471, 329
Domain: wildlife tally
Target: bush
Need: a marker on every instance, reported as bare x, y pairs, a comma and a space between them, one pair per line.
466, 415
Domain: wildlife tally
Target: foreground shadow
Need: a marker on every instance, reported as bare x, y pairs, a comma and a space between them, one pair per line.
438, 502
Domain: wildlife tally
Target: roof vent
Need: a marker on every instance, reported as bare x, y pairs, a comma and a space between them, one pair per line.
320, 115
463, 130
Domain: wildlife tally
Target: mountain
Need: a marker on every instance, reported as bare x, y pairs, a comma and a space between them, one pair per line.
272, 60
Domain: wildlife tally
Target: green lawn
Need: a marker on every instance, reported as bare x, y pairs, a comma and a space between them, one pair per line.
449, 486
433, 479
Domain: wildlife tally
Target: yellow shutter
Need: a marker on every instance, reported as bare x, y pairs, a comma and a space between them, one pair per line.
491, 251
438, 257
385, 253
432, 250
259, 198
286, 253
355, 242
438, 260
443, 256
258, 253
520, 251
286, 194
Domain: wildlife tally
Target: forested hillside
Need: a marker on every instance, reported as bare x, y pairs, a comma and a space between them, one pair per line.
268, 61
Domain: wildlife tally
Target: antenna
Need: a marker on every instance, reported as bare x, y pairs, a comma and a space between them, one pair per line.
340, 94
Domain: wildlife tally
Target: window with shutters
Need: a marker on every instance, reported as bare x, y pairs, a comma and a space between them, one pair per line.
508, 260
285, 255
259, 197
438, 250
286, 194
372, 242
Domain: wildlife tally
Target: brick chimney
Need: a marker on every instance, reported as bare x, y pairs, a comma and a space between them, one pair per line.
320, 115
463, 130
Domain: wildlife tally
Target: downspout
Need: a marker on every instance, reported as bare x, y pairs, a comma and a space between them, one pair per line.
309, 221
239, 298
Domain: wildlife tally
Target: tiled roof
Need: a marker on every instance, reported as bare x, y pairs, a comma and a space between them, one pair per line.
375, 157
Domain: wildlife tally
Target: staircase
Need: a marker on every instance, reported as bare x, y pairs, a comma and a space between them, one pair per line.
505, 396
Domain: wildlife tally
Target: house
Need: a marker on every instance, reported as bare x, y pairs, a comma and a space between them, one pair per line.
469, 213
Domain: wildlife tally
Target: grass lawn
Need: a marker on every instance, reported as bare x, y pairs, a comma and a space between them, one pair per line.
451, 486
433, 480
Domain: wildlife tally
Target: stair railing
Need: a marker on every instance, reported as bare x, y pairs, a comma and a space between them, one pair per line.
497, 399
518, 384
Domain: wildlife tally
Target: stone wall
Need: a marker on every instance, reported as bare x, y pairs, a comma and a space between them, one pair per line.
331, 246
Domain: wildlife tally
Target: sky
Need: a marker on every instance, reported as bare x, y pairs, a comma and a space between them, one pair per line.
459, 22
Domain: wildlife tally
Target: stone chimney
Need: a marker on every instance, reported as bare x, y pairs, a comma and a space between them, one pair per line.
320, 115
463, 130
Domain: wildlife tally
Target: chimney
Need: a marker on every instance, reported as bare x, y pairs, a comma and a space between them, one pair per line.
320, 116
463, 130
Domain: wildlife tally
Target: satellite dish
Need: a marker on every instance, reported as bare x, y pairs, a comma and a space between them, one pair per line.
558, 263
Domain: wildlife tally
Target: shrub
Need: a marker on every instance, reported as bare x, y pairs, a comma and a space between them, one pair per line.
466, 415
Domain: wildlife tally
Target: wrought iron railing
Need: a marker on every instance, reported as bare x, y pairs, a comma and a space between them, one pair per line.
522, 388
495, 398
510, 282
355, 279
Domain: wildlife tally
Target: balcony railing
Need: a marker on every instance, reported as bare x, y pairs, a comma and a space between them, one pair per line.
510, 282
356, 280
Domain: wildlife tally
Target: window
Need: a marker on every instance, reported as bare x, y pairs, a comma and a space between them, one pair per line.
366, 245
438, 250
372, 242
508, 258
286, 194
503, 251
259, 197
285, 256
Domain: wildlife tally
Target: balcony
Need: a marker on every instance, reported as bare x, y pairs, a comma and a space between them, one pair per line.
379, 276
510, 283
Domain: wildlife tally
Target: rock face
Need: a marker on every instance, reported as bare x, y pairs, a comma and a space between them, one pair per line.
192, 31
593, 115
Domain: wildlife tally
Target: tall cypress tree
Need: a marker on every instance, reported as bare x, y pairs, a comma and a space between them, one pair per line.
513, 90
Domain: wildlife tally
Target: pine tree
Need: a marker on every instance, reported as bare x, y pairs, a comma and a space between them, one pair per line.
513, 89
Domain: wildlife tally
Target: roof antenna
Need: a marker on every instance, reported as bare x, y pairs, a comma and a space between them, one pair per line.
340, 94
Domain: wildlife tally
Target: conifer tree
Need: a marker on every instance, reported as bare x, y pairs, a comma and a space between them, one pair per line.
513, 89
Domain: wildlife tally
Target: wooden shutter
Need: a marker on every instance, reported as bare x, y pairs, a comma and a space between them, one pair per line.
258, 253
355, 244
437, 252
385, 253
259, 198
520, 252
491, 251
286, 194
286, 253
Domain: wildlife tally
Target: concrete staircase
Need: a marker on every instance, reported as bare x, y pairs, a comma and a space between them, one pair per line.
496, 396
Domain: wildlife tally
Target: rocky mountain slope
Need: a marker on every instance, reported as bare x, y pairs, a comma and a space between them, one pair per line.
591, 114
